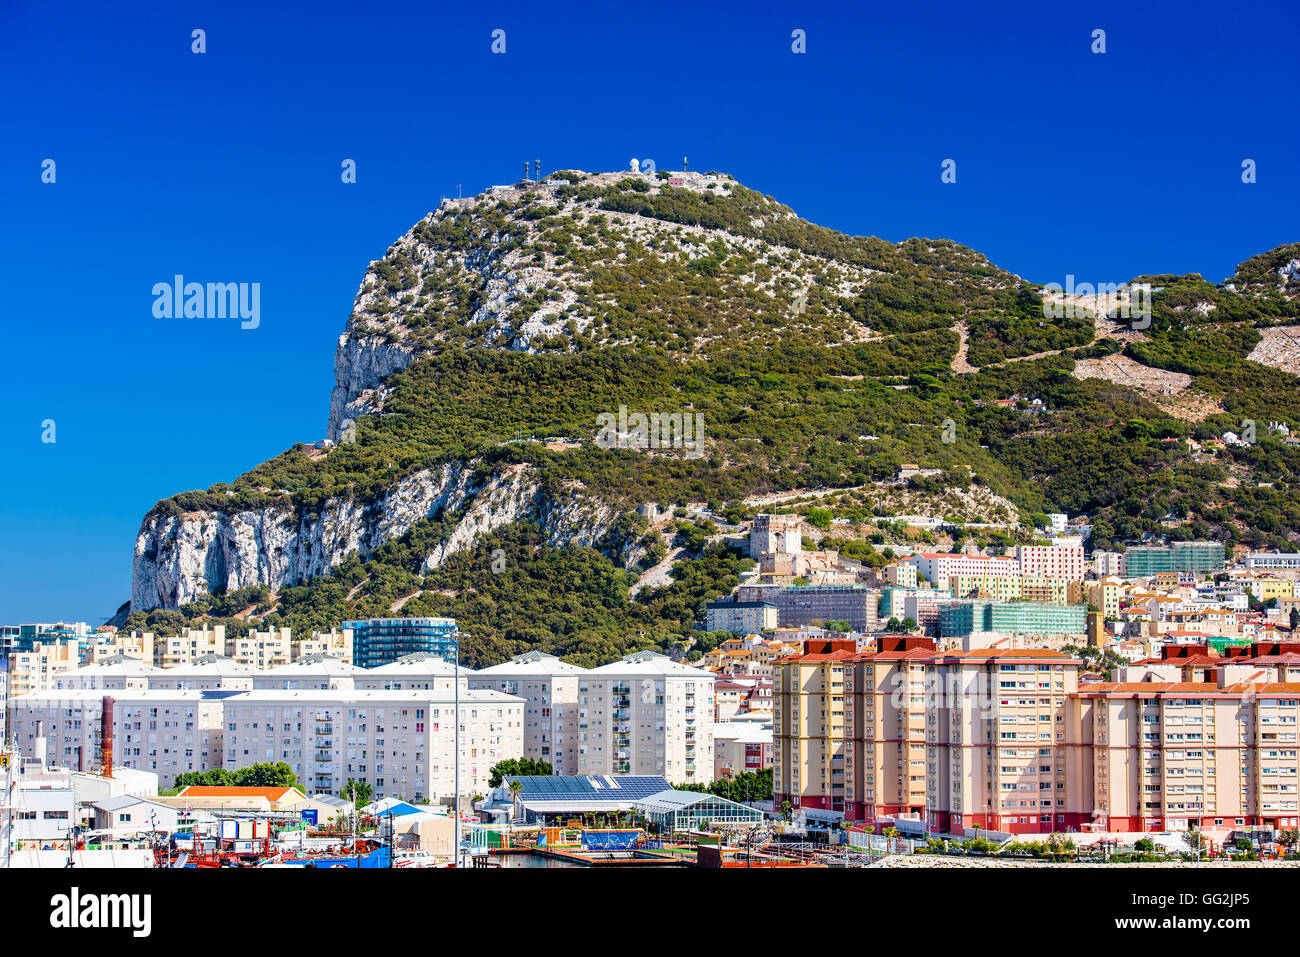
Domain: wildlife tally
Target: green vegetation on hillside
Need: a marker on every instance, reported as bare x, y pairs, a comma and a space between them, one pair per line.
815, 360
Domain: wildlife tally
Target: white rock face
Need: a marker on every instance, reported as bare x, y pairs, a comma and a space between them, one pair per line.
361, 363
521, 297
180, 557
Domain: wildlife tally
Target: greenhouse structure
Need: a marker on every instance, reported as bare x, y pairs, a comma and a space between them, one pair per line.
673, 810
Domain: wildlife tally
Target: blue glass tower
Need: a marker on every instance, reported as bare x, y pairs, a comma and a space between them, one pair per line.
381, 641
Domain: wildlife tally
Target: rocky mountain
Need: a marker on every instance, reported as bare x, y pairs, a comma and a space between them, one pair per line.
484, 346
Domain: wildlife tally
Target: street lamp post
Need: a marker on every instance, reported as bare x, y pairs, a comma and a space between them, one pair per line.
455, 683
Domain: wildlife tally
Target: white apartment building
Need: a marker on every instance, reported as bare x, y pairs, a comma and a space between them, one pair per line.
399, 742
646, 714
1273, 561
741, 746
167, 732
314, 673
549, 687
43, 807
1051, 561
1107, 564
118, 673
938, 567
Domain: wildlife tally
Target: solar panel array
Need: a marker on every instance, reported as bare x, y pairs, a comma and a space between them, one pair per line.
562, 787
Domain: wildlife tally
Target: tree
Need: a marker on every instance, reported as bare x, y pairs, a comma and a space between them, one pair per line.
523, 767
1288, 837
266, 775
360, 791
279, 775
787, 809
1194, 840
819, 517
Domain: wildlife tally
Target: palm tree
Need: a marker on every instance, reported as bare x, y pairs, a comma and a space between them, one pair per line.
516, 787
890, 833
1193, 839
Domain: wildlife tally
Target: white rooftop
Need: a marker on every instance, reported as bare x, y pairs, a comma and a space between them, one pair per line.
206, 665
420, 663
81, 695
743, 732
531, 663
420, 695
120, 665
650, 663
314, 665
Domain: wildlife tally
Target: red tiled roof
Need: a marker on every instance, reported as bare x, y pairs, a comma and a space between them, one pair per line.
1190, 688
976, 654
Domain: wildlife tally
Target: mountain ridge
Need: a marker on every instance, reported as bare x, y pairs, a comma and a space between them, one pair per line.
687, 291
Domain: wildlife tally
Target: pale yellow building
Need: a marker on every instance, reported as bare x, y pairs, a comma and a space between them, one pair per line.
262, 649
1008, 588
175, 650
36, 670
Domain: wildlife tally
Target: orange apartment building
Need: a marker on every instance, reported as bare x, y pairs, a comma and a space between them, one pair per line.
1009, 741
1169, 755
996, 741
848, 727
809, 744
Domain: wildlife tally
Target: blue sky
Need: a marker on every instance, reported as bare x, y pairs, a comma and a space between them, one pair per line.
225, 166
